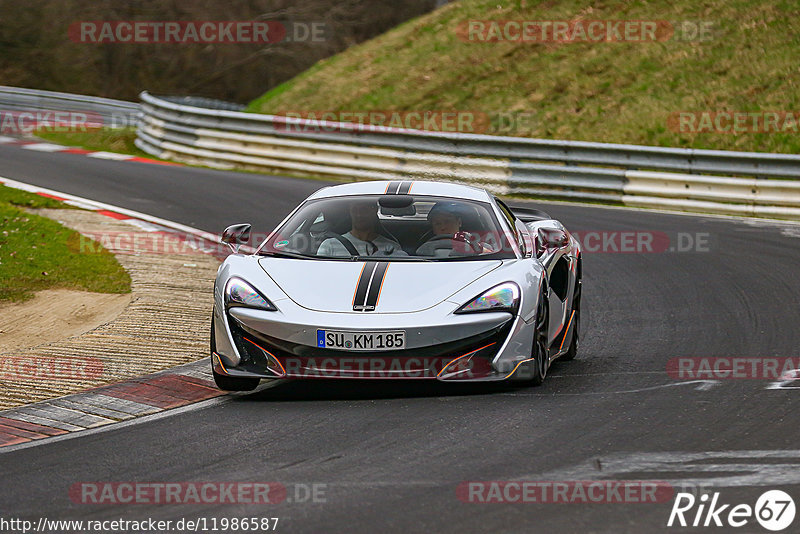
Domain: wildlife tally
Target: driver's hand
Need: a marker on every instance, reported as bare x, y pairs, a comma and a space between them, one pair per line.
460, 243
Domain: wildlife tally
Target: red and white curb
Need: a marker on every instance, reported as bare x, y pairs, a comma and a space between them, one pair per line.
41, 146
106, 405
194, 238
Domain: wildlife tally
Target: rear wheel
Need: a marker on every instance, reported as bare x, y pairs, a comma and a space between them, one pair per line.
230, 383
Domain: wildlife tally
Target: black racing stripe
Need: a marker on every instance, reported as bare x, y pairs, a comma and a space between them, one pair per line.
363, 284
405, 187
375, 288
392, 188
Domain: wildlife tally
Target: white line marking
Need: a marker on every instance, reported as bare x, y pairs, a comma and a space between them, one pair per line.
25, 187
110, 155
713, 468
4, 139
103, 206
623, 373
146, 226
45, 147
78, 204
791, 377
705, 385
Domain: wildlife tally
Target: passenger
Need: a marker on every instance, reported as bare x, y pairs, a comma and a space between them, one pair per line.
364, 235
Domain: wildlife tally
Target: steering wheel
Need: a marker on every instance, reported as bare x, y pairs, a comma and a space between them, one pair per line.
461, 237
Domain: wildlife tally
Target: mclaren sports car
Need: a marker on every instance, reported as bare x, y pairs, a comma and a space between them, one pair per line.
398, 280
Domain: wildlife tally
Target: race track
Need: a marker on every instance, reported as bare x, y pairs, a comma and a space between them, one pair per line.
393, 454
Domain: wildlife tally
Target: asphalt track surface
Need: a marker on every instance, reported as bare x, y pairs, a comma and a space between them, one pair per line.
392, 454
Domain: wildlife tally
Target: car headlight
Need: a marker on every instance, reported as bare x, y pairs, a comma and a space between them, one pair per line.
240, 293
504, 297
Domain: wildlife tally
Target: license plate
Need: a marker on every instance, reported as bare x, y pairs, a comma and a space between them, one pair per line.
361, 341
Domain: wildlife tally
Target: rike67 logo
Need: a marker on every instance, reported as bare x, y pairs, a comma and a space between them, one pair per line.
774, 510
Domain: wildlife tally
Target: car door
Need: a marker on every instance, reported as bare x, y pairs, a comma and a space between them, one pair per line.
541, 240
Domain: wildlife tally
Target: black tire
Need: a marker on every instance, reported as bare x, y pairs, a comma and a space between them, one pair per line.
539, 351
572, 351
230, 383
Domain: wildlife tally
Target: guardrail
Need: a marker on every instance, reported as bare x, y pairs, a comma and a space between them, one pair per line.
749, 183
109, 113
218, 134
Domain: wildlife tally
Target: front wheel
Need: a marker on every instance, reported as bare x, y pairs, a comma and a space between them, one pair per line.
539, 352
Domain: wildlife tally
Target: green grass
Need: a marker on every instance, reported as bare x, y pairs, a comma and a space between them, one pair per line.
606, 92
37, 253
119, 141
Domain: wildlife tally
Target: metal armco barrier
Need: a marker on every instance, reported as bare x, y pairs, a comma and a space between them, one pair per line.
744, 183
217, 134
112, 113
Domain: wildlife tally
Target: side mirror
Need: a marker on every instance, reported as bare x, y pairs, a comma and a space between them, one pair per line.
236, 235
552, 238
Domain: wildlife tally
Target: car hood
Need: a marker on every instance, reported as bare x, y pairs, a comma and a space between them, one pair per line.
330, 286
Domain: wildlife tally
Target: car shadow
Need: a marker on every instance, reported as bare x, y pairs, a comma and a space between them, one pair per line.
353, 389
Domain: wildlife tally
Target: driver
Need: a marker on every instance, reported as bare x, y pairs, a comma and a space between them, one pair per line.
445, 220
363, 235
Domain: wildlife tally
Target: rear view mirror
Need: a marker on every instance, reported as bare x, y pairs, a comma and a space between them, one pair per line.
396, 201
552, 238
236, 235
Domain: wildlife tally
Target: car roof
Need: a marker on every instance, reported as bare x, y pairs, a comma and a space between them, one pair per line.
439, 189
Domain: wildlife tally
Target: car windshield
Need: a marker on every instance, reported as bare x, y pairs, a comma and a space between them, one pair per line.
396, 227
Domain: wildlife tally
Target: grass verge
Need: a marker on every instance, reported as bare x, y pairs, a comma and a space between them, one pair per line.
37, 253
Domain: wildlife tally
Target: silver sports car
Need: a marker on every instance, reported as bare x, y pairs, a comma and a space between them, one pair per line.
398, 280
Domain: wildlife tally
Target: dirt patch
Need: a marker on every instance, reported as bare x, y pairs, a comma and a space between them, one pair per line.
55, 314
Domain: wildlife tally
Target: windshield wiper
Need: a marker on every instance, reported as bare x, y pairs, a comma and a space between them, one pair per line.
296, 255
390, 258
285, 254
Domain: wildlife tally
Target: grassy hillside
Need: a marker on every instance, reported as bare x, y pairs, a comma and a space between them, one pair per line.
596, 91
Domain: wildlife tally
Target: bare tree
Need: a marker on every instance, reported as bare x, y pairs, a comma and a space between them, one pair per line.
36, 51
